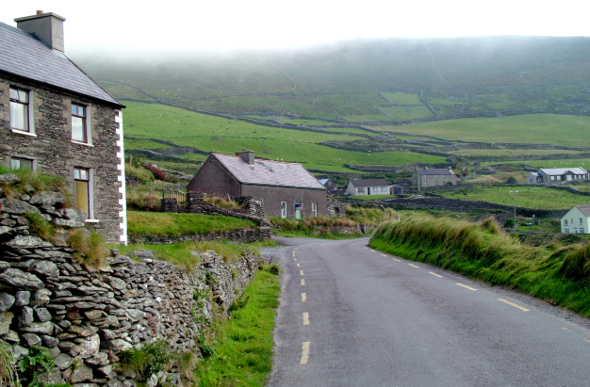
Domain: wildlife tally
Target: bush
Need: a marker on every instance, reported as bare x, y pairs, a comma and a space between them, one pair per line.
158, 173
90, 246
149, 360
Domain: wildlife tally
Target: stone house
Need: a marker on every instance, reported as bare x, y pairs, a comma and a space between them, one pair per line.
55, 119
368, 187
557, 175
433, 177
576, 220
283, 189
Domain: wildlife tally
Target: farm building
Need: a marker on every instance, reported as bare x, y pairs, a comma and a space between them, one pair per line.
433, 177
557, 175
368, 187
576, 221
55, 119
283, 189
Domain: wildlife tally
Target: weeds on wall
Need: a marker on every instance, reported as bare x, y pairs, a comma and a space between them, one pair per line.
90, 247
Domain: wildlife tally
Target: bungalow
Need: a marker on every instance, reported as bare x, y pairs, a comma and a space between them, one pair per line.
368, 187
557, 175
55, 119
283, 189
576, 221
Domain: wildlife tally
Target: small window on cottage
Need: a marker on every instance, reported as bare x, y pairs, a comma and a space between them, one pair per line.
383, 189
565, 222
581, 220
283, 209
82, 189
314, 209
19, 109
79, 123
20, 163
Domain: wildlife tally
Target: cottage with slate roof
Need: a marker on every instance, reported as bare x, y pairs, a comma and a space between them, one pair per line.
284, 190
433, 177
55, 119
557, 175
576, 221
368, 187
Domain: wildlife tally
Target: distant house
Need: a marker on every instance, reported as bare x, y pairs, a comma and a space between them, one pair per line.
284, 190
55, 119
576, 221
368, 187
557, 175
329, 184
433, 177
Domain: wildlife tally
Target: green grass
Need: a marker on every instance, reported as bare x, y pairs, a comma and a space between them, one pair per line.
527, 196
403, 113
533, 128
243, 349
214, 134
367, 118
555, 272
174, 225
401, 98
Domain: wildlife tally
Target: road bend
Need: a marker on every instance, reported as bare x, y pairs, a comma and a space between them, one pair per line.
353, 316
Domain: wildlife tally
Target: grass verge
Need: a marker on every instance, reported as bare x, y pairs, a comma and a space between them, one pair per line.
558, 273
243, 350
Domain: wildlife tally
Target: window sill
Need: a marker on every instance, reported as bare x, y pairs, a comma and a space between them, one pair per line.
82, 143
23, 132
92, 221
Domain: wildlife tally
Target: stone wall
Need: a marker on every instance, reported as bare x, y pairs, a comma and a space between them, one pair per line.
86, 316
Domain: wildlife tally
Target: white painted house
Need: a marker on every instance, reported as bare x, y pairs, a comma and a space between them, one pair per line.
557, 175
576, 221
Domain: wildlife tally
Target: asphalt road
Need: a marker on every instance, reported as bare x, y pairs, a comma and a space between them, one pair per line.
352, 316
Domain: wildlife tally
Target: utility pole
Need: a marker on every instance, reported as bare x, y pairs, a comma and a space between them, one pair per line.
514, 205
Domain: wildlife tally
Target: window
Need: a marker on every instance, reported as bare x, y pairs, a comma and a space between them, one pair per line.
314, 209
581, 221
20, 163
565, 222
360, 190
21, 111
80, 128
283, 209
82, 190
383, 189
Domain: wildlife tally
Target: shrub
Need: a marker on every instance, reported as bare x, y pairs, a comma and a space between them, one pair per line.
40, 226
150, 359
576, 264
90, 246
158, 173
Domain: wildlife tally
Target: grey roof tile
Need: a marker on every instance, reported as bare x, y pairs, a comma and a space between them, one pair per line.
369, 183
267, 172
23, 55
435, 171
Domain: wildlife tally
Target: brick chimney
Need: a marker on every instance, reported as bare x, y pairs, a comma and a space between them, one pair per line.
47, 26
247, 155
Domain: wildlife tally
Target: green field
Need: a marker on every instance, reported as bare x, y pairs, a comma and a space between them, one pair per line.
215, 134
528, 197
530, 129
560, 163
401, 98
404, 113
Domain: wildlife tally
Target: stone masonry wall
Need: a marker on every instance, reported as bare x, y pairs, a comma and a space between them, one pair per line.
87, 316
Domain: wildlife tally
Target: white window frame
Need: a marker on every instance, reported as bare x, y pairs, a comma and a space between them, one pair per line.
87, 123
284, 209
90, 182
30, 125
15, 162
314, 209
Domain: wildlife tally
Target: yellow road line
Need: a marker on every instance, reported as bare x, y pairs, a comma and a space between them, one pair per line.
565, 329
298, 265
295, 259
417, 267
467, 287
513, 304
305, 318
436, 275
301, 272
397, 260
587, 340
303, 297
302, 282
304, 353
383, 255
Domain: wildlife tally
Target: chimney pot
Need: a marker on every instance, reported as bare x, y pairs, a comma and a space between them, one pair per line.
39, 12
247, 155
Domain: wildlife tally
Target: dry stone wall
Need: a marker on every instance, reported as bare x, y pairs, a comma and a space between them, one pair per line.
86, 316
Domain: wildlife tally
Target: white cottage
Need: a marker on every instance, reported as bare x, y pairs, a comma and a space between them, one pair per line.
576, 221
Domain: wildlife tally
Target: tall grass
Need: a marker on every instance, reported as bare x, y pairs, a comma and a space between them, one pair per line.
38, 181
555, 272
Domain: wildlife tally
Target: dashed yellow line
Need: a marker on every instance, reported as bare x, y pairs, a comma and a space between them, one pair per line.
566, 329
383, 255
436, 275
417, 267
302, 282
295, 259
513, 304
303, 297
587, 340
301, 272
304, 353
298, 265
397, 260
466, 287
305, 318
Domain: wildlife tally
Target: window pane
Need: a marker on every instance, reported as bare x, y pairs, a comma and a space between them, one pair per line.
18, 116
15, 163
78, 130
13, 94
82, 196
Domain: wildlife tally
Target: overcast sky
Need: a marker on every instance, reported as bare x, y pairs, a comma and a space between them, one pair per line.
230, 24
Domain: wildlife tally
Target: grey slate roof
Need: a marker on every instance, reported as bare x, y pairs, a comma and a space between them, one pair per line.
24, 55
370, 183
562, 171
584, 209
435, 171
267, 172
